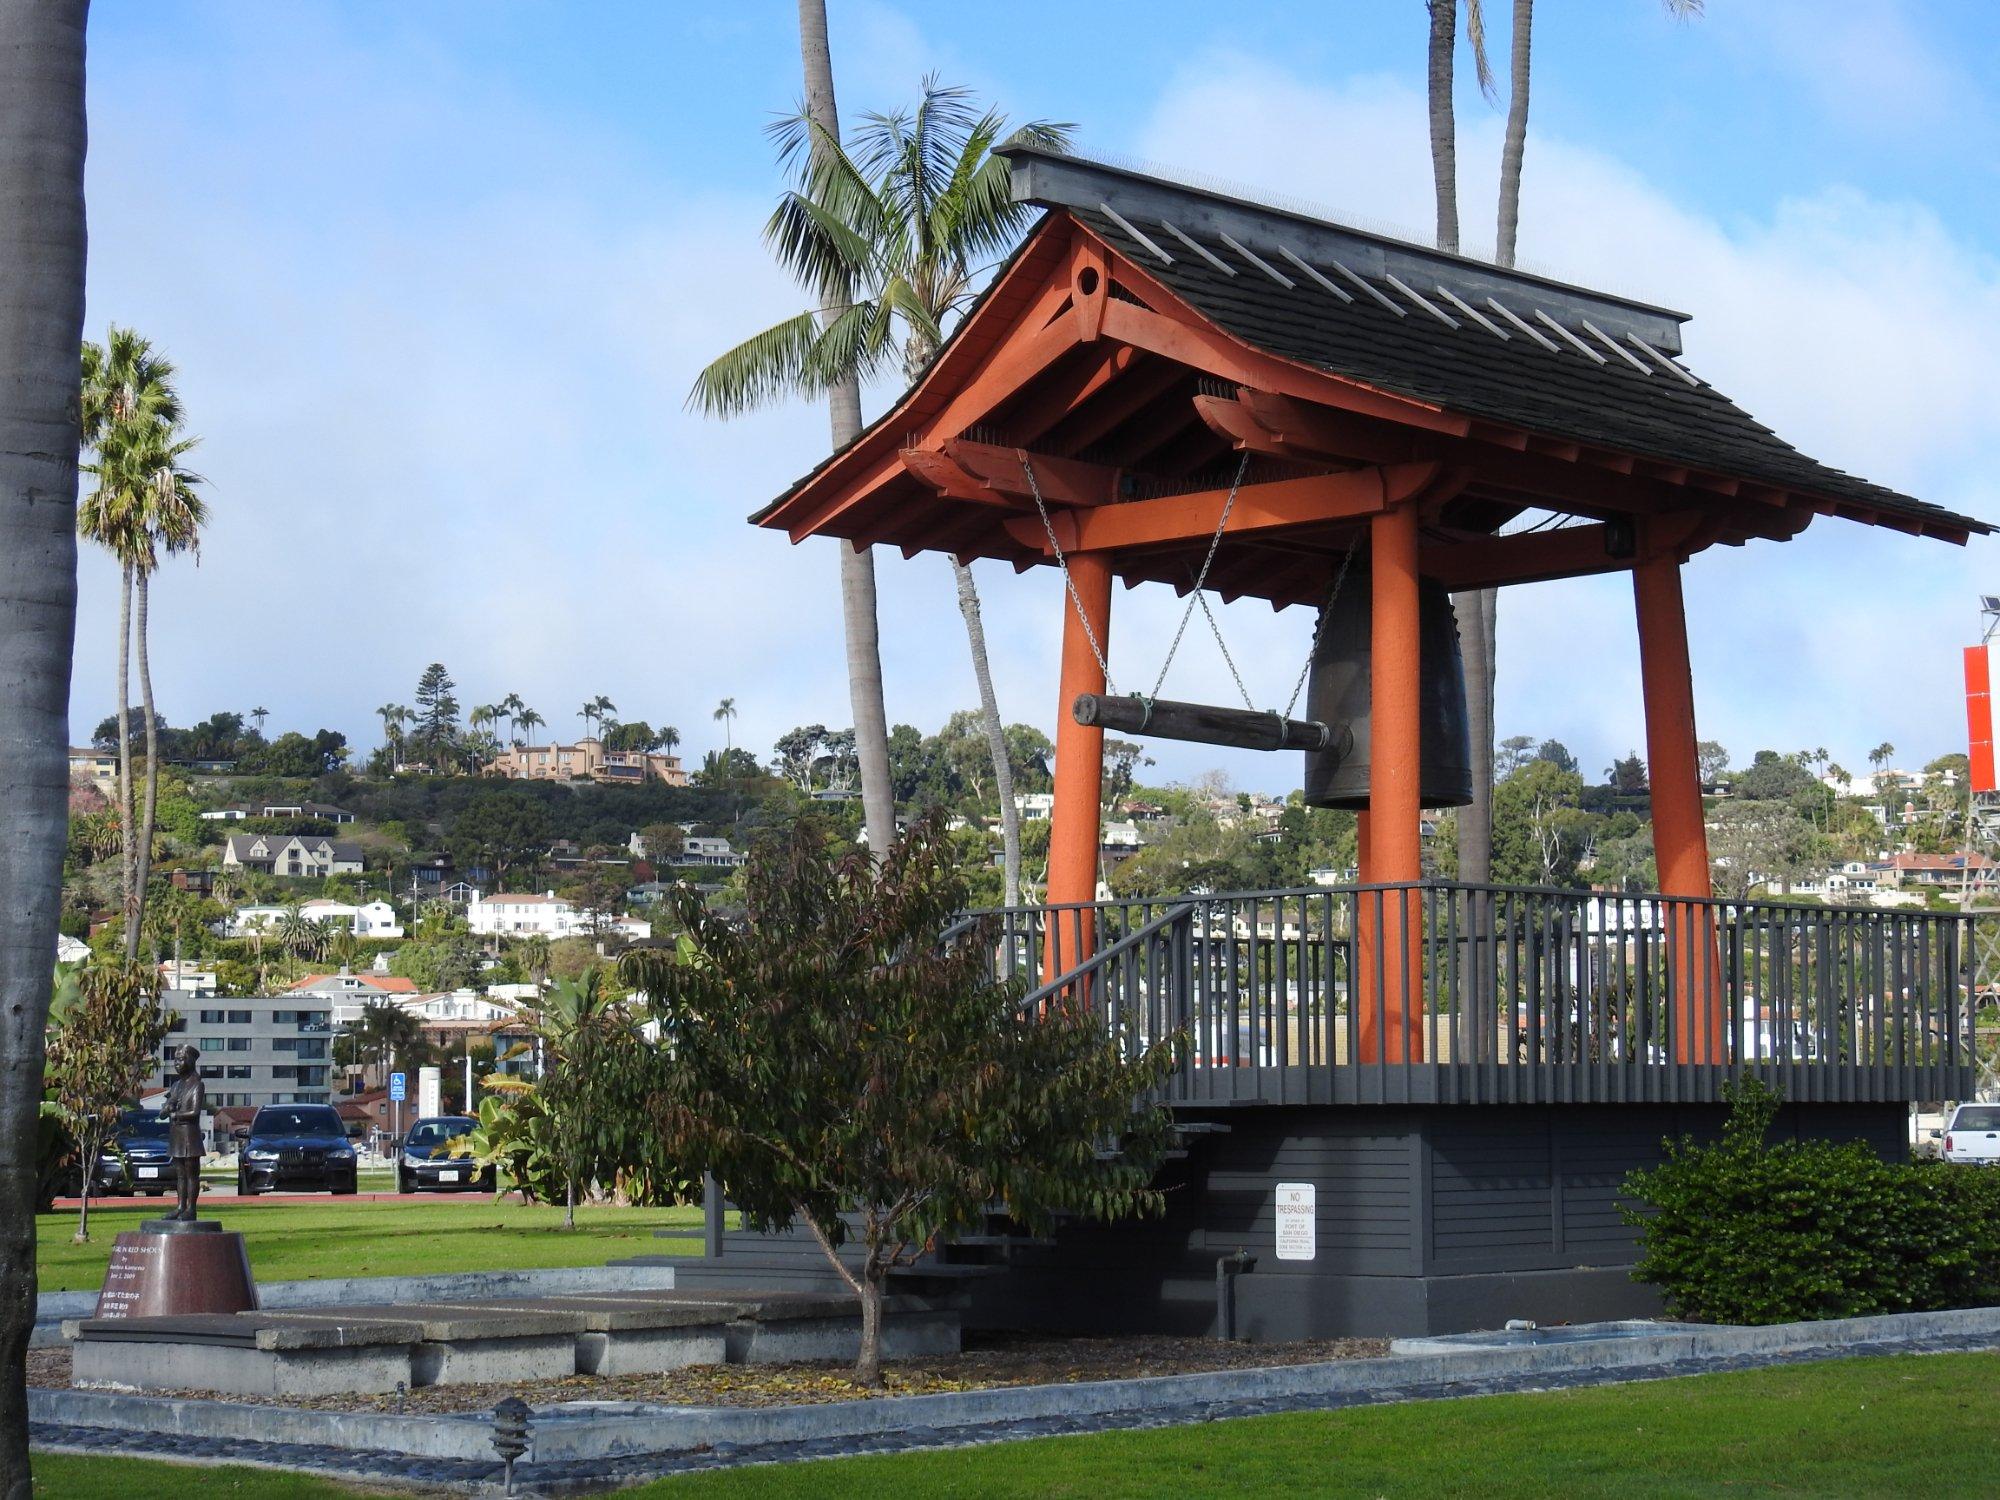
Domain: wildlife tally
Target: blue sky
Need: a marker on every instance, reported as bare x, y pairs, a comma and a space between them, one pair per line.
439, 275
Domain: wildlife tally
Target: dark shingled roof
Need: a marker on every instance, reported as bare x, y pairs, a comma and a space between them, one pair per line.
1469, 370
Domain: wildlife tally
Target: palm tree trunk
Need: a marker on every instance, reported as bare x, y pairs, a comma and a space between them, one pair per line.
1474, 611
858, 618
41, 337
1478, 611
129, 852
996, 733
143, 869
1444, 147
1516, 144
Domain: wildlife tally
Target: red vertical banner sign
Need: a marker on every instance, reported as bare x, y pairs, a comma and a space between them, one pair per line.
1979, 716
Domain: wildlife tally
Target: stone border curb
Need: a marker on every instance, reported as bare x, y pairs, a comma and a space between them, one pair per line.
564, 1438
52, 1308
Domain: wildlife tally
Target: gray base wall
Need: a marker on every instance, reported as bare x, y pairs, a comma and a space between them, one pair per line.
1429, 1219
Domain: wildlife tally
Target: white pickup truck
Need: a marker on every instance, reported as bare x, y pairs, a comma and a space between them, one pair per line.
1972, 1135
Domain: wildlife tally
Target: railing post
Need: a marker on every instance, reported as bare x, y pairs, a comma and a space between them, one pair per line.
711, 1216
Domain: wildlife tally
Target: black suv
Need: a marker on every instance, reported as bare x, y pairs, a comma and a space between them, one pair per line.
136, 1161
427, 1163
296, 1146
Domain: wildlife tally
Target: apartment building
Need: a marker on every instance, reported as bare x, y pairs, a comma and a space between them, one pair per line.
266, 1049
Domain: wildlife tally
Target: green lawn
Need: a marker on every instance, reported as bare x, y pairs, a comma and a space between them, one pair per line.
1921, 1426
1918, 1426
64, 1476
342, 1237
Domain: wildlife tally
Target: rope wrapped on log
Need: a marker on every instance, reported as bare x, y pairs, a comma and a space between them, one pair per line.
1206, 724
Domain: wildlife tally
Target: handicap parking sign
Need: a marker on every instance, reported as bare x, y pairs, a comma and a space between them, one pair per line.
397, 1094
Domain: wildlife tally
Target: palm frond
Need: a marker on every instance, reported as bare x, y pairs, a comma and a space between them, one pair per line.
823, 251
859, 342
764, 368
822, 170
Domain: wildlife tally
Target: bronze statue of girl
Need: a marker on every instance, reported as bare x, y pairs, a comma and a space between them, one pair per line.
186, 1099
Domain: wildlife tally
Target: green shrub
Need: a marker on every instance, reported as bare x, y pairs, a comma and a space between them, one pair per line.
1741, 1231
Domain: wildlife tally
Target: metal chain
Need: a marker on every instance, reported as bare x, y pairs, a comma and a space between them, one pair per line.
1062, 563
1194, 594
1224, 647
1319, 629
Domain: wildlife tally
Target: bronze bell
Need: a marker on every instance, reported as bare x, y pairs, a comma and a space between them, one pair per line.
1340, 695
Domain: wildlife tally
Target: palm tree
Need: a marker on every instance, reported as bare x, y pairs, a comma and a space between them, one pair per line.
529, 720
42, 137
123, 385
587, 713
508, 707
383, 1032
606, 711
724, 712
395, 719
260, 715
1477, 610
903, 222
1881, 755
843, 394
559, 1015
174, 518
669, 739
300, 935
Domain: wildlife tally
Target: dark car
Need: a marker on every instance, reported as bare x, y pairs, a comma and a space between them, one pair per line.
296, 1146
426, 1161
136, 1161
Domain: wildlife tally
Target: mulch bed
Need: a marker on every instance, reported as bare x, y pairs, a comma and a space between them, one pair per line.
988, 1360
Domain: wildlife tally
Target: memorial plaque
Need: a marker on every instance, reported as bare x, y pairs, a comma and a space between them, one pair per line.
1298, 1227
172, 1266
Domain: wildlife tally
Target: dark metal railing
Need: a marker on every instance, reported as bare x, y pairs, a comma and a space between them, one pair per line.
1450, 993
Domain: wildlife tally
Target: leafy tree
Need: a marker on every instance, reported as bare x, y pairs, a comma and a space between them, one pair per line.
661, 840
1556, 753
298, 755
1515, 752
503, 830
795, 752
1752, 842
1627, 776
637, 735
437, 714
1539, 831
829, 1057
101, 1055
1771, 777
1122, 759
1712, 762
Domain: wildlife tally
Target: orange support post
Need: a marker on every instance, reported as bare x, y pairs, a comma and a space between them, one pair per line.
1074, 832
1389, 988
1680, 837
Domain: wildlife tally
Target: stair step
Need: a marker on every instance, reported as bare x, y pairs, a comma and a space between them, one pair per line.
1001, 1240
936, 1271
1202, 1127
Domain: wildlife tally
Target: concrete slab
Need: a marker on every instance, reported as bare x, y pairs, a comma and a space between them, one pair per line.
241, 1369
245, 1330
448, 1320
